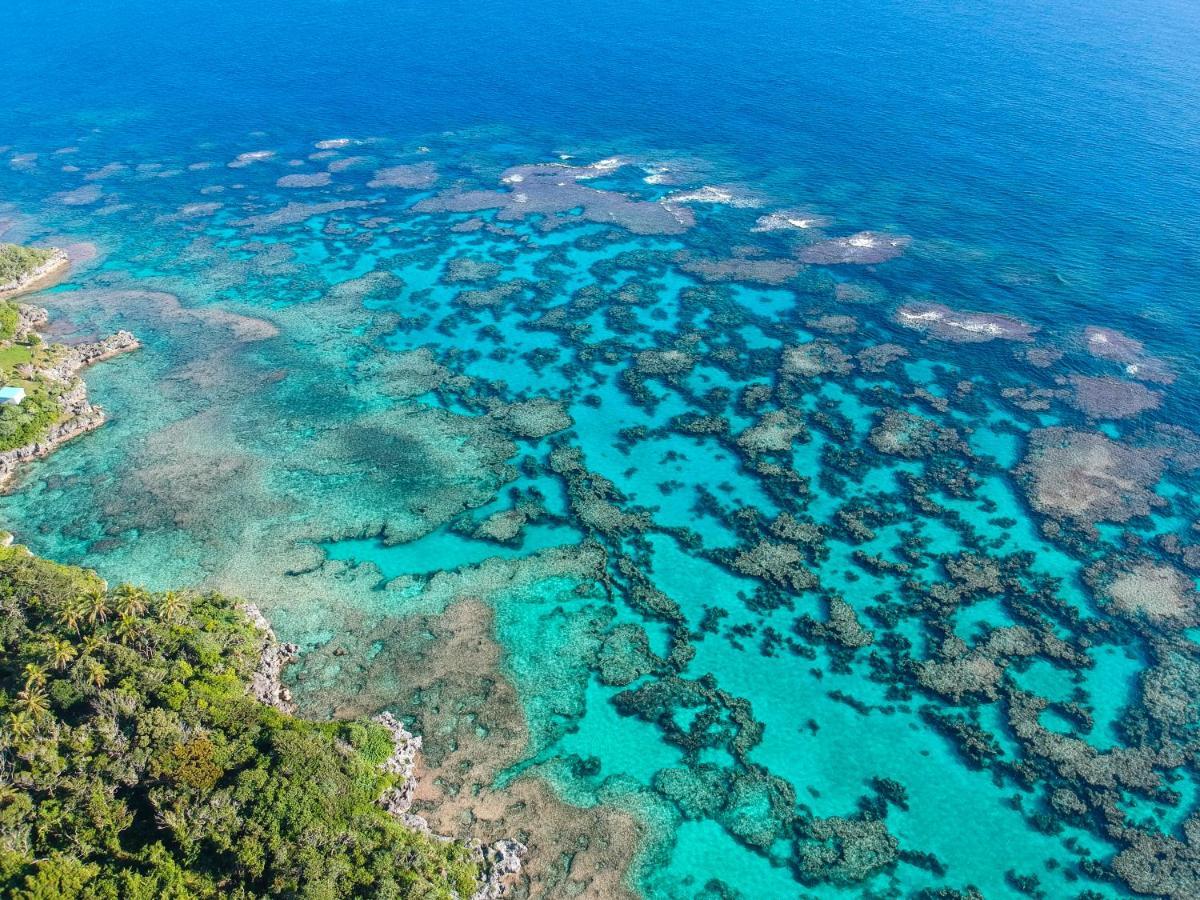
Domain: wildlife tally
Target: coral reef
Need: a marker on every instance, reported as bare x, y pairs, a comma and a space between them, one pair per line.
663, 553
1086, 478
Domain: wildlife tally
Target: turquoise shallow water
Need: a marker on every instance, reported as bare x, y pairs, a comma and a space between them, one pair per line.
545, 387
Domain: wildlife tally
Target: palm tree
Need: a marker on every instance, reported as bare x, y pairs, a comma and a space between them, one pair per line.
35, 676
21, 725
71, 613
33, 702
97, 673
61, 652
97, 608
171, 606
127, 628
130, 600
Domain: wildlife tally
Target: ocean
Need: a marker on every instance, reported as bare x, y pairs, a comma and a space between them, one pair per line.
754, 446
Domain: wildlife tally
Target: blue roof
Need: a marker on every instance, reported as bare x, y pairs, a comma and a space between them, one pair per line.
6, 392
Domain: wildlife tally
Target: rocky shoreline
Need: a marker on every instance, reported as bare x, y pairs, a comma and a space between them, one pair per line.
499, 862
79, 414
267, 684
38, 277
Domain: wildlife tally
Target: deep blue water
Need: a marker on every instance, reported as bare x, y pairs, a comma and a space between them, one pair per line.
1054, 109
1045, 159
1065, 133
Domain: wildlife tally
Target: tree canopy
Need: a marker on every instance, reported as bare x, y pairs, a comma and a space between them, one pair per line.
135, 764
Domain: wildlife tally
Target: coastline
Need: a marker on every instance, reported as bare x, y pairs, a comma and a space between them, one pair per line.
392, 504
46, 275
500, 862
78, 415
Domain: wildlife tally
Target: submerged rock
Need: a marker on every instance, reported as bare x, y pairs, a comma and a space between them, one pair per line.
626, 656
1157, 591
304, 180
414, 176
723, 195
759, 808
774, 432
464, 268
664, 362
294, 213
844, 626
877, 358
790, 219
1112, 345
740, 269
864, 248
900, 433
1162, 865
778, 563
534, 419
815, 358
963, 327
503, 527
554, 191
242, 160
833, 324
844, 851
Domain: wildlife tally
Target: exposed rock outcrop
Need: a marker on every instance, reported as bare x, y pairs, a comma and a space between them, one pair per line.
402, 762
274, 656
77, 357
500, 863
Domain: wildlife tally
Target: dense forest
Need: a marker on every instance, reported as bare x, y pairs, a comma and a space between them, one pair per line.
134, 763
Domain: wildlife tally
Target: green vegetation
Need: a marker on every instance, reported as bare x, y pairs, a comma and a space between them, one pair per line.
10, 317
29, 422
15, 261
15, 355
134, 764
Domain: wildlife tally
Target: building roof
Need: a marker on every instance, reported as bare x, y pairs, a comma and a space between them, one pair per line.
9, 393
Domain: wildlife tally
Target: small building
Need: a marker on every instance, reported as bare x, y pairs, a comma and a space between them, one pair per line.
11, 396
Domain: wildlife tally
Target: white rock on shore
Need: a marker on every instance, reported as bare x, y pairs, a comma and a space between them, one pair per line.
499, 861
78, 357
402, 762
267, 684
